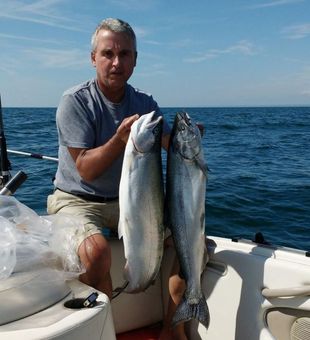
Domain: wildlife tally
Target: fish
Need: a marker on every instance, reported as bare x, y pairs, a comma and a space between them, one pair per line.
186, 180
141, 203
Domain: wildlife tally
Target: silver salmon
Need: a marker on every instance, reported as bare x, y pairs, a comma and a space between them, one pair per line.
141, 202
185, 214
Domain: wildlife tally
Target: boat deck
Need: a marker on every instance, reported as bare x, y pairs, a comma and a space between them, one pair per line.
145, 333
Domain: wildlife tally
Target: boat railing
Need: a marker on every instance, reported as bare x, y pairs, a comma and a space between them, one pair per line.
286, 292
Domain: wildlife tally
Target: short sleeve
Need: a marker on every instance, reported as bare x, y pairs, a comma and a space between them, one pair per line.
75, 122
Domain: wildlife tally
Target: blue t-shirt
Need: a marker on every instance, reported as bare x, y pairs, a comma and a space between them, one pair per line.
86, 119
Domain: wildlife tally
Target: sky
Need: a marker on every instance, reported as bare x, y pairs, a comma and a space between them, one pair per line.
198, 53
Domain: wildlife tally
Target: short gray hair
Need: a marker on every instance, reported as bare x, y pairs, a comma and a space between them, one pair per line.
114, 25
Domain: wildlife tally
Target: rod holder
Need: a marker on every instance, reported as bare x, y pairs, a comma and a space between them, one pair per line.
11, 186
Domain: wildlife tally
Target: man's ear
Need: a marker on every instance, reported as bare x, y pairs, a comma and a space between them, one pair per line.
136, 56
93, 58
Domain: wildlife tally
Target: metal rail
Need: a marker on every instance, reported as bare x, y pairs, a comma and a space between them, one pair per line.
286, 292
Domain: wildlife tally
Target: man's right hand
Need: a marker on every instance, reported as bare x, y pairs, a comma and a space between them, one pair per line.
91, 163
123, 130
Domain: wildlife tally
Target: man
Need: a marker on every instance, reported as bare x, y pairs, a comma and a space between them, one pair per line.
94, 121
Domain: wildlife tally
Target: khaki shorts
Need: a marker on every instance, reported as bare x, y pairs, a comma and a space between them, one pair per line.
94, 215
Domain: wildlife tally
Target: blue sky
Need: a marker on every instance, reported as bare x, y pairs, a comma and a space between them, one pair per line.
191, 53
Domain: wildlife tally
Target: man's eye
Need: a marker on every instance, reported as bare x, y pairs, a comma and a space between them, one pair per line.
124, 53
108, 54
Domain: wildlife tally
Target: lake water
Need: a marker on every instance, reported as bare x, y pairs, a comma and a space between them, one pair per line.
259, 161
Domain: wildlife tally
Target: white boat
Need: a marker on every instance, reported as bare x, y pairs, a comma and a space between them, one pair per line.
254, 292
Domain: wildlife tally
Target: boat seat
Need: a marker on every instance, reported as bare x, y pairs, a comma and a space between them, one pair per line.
146, 308
26, 293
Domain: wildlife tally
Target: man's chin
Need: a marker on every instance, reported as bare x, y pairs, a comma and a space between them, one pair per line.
117, 80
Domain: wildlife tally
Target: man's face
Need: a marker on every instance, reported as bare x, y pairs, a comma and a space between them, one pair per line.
114, 59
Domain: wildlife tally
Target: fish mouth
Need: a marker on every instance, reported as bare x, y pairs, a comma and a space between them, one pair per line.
183, 116
152, 122
152, 127
185, 137
184, 123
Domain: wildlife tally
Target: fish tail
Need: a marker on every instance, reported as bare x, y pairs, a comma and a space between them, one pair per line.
186, 311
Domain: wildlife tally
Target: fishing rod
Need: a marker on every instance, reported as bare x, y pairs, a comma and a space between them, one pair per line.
5, 165
8, 185
33, 155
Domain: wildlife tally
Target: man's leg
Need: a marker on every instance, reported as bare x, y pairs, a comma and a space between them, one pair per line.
92, 248
176, 289
95, 255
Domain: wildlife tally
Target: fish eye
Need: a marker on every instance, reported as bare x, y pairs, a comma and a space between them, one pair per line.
156, 130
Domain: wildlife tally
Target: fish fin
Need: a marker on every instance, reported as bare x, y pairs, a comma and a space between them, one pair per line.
120, 230
117, 291
204, 167
205, 259
186, 311
122, 227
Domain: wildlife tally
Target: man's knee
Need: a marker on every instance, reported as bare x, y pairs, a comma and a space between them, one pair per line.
95, 251
176, 286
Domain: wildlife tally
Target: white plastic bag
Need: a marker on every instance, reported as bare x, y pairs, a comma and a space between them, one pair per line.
37, 242
62, 241
7, 248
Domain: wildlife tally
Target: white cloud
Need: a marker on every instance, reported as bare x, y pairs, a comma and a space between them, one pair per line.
8, 66
53, 58
43, 12
140, 32
298, 82
153, 42
275, 3
297, 31
134, 5
151, 73
243, 47
24, 38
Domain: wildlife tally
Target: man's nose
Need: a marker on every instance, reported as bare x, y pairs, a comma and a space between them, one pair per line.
116, 60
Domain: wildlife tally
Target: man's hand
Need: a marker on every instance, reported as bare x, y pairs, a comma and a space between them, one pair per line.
124, 129
91, 163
